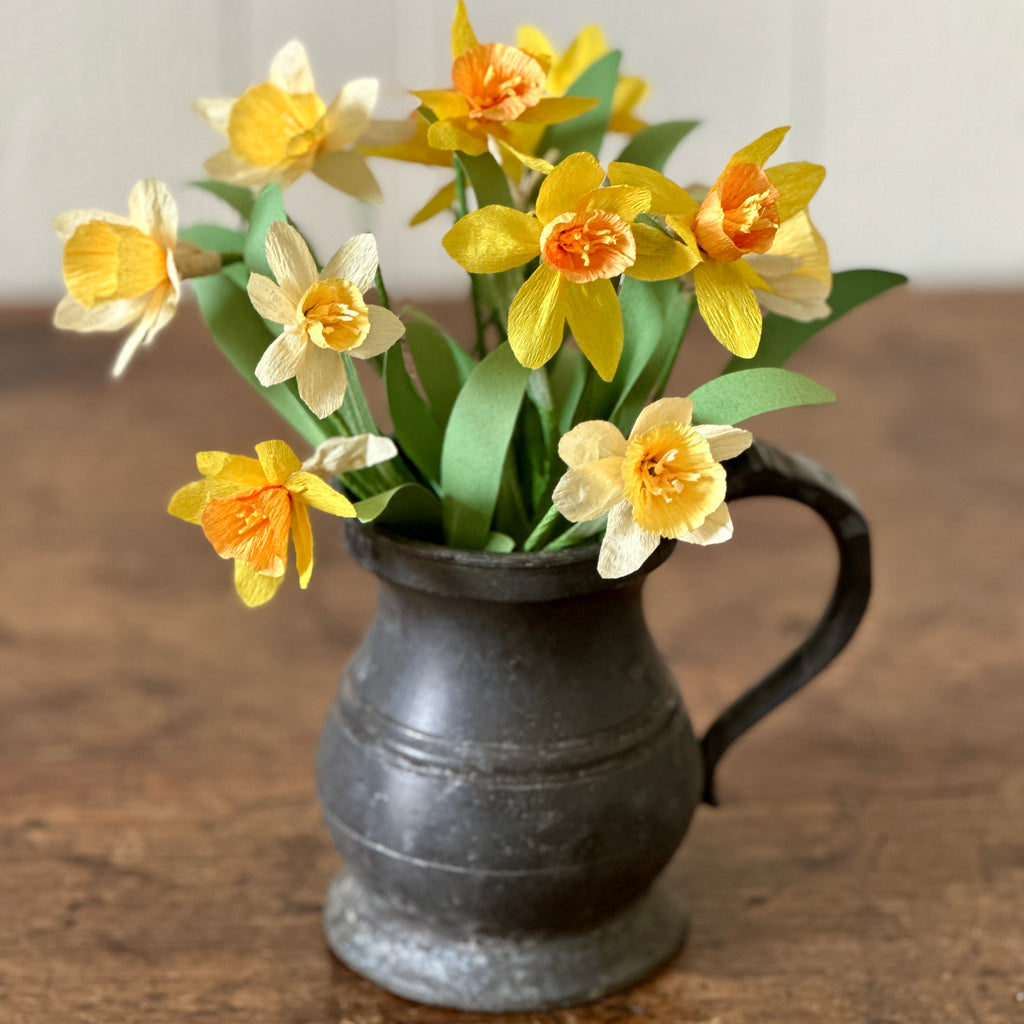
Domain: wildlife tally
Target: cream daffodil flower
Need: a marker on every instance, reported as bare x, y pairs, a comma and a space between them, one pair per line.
248, 508
324, 315
123, 270
665, 480
584, 235
281, 128
739, 217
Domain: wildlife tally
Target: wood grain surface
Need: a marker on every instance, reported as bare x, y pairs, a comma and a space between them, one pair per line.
162, 857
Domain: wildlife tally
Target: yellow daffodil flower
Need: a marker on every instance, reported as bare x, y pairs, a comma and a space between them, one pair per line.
585, 50
281, 128
248, 508
584, 235
496, 88
665, 480
324, 315
123, 270
739, 217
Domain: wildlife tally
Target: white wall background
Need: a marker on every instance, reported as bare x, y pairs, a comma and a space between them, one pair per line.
916, 107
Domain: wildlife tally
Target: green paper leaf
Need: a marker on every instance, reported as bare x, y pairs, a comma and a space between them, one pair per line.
416, 430
213, 238
487, 179
738, 396
239, 198
501, 542
586, 131
653, 145
242, 336
441, 365
411, 509
476, 442
781, 337
269, 206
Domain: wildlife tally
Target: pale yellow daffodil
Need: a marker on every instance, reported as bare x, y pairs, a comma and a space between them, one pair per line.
739, 217
497, 89
584, 235
248, 508
665, 480
280, 129
123, 270
324, 315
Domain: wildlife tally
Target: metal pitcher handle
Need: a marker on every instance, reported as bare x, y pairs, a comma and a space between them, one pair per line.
763, 470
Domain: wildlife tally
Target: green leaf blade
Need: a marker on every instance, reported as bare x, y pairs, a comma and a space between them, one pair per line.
269, 207
654, 144
586, 131
739, 396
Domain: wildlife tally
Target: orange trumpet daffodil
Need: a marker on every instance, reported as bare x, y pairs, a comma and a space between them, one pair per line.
584, 235
739, 217
248, 508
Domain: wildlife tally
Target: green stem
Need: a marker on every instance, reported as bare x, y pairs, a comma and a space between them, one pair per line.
538, 536
462, 209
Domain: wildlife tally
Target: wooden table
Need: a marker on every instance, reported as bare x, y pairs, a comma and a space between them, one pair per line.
162, 857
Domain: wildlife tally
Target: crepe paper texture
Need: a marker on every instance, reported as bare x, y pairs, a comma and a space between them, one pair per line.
549, 425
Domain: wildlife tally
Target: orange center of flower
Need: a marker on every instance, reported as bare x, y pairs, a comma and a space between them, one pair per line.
499, 82
587, 245
335, 315
268, 126
105, 261
252, 526
739, 215
671, 479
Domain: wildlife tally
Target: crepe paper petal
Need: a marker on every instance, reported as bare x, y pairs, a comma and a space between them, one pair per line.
445, 104
716, 528
239, 469
290, 260
571, 179
385, 330
584, 129
535, 163
270, 301
349, 112
215, 111
348, 172
493, 239
65, 224
322, 380
355, 261
254, 588
624, 200
728, 306
159, 309
71, 315
232, 170
797, 183
555, 109
339, 455
443, 200
724, 441
189, 501
625, 546
302, 539
660, 257
737, 396
666, 196
463, 36
665, 410
590, 490
536, 317
282, 359
453, 135
152, 208
315, 492
277, 460
290, 69
760, 149
595, 320
590, 441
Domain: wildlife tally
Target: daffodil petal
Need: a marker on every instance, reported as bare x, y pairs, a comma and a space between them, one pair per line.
589, 441
65, 224
728, 306
797, 183
760, 149
270, 301
625, 546
277, 460
253, 587
71, 315
450, 134
225, 166
659, 257
160, 307
322, 380
562, 189
715, 529
441, 201
290, 70
725, 442
236, 469
355, 261
302, 538
310, 489
588, 491
463, 36
339, 455
281, 359
385, 330
290, 260
349, 112
443, 103
664, 410
189, 501
493, 239
536, 317
152, 209
666, 196
555, 109
625, 200
348, 172
215, 111
595, 320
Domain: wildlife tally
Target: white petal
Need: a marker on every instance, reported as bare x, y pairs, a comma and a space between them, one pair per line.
225, 166
586, 492
153, 210
322, 380
215, 111
349, 113
385, 330
725, 442
282, 359
355, 261
270, 301
339, 455
160, 308
665, 410
388, 133
714, 530
290, 70
625, 546
593, 439
347, 171
71, 315
290, 260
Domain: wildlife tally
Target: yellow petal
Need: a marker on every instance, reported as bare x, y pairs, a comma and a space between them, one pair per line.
589, 441
797, 183
236, 469
666, 196
587, 492
442, 201
254, 588
536, 317
302, 538
664, 410
760, 149
309, 489
348, 172
454, 135
463, 36
277, 460
555, 109
624, 200
595, 320
535, 163
562, 189
493, 239
728, 306
715, 529
583, 51
659, 257
445, 103
189, 501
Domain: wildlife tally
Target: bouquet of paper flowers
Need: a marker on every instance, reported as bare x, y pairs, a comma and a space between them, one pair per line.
550, 427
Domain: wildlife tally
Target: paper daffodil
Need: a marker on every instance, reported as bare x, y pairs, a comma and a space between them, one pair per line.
124, 270
496, 88
584, 235
281, 128
248, 508
665, 480
324, 315
739, 217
